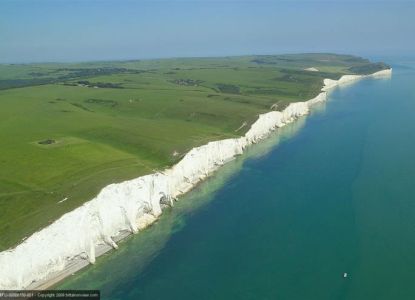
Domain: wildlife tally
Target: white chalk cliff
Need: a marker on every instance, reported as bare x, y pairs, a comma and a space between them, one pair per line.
132, 205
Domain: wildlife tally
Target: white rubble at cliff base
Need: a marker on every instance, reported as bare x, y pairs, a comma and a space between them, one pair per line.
132, 205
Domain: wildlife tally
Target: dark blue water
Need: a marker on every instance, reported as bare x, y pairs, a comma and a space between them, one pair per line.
331, 194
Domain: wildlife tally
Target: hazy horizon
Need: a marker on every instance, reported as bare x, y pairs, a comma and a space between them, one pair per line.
93, 30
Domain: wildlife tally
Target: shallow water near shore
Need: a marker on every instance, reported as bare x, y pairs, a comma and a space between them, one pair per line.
332, 193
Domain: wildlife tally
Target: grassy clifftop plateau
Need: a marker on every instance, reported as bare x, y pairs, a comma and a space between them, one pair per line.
67, 130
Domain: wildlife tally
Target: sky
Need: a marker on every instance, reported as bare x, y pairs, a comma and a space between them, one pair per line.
83, 30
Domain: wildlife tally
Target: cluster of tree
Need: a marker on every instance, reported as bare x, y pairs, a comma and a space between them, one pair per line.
103, 102
90, 72
187, 82
46, 142
228, 88
86, 83
369, 68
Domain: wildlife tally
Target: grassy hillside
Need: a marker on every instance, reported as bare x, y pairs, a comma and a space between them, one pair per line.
67, 130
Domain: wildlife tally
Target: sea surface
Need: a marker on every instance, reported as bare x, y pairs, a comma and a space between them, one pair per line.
333, 193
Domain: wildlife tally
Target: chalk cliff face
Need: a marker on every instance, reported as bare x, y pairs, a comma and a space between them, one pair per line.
132, 205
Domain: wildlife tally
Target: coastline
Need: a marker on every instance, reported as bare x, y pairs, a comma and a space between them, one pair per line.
125, 208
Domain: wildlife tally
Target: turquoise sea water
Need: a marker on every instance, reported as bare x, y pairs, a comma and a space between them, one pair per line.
333, 193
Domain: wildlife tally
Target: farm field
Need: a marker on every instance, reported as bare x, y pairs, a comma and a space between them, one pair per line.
68, 130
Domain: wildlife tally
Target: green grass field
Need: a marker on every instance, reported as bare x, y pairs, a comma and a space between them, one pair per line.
67, 130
